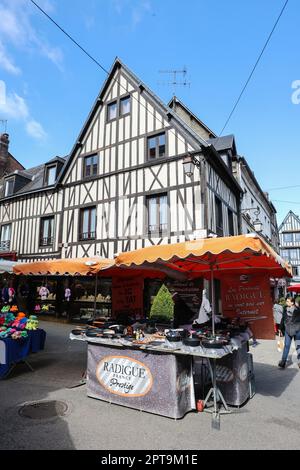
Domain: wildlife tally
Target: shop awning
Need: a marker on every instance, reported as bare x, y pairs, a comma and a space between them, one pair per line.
74, 267
6, 266
294, 288
199, 257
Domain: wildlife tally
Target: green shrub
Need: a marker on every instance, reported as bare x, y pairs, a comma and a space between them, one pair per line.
163, 306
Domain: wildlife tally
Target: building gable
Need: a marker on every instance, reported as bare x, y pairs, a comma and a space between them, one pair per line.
290, 223
120, 143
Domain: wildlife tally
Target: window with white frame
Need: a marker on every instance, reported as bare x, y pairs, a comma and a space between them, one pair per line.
124, 105
47, 231
5, 237
87, 224
50, 175
112, 110
157, 207
9, 187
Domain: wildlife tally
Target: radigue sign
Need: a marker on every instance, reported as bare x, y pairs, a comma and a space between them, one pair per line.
124, 376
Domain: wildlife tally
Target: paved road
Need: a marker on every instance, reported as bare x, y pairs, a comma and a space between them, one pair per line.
271, 420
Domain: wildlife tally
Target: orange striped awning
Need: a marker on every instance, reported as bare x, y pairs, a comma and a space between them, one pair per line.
238, 253
76, 266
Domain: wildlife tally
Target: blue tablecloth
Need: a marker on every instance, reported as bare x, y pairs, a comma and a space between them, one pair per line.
17, 350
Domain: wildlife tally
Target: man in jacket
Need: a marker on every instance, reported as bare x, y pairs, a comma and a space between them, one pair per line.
290, 323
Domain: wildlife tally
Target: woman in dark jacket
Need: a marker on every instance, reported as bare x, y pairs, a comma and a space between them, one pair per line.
290, 326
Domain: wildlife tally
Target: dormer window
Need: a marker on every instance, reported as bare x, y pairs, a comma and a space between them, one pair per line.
9, 187
50, 175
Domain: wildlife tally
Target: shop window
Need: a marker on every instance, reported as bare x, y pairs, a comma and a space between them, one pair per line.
112, 111
125, 106
156, 146
90, 166
47, 231
9, 187
219, 217
157, 208
50, 175
85, 296
87, 224
5, 237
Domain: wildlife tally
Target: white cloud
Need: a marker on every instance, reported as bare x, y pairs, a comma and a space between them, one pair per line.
7, 63
15, 107
17, 30
137, 9
35, 130
139, 12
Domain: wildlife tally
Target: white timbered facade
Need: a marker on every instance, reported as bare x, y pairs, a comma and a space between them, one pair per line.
123, 185
289, 234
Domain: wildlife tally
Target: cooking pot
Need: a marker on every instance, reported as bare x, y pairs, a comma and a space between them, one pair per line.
215, 343
109, 333
183, 333
119, 329
150, 330
94, 332
173, 336
191, 341
77, 331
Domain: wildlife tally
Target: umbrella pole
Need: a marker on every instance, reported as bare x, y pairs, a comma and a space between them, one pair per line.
96, 293
212, 299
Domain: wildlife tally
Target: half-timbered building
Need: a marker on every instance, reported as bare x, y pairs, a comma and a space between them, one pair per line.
289, 234
123, 186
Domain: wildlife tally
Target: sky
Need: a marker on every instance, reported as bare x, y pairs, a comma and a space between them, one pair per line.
49, 85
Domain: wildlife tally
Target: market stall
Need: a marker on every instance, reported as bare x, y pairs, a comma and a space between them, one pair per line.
19, 337
82, 289
66, 287
247, 256
156, 373
169, 358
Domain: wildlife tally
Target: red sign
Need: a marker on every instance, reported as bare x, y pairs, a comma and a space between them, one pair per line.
128, 297
249, 297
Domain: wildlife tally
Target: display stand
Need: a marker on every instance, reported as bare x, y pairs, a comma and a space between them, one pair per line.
17, 351
215, 392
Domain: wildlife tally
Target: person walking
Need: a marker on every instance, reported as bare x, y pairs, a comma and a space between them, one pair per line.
290, 325
277, 315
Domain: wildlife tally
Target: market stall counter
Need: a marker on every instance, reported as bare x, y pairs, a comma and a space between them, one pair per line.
152, 374
13, 351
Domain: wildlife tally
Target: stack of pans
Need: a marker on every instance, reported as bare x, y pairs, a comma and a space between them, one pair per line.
94, 332
191, 341
216, 342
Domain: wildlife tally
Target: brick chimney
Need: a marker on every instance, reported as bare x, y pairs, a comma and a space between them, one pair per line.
4, 143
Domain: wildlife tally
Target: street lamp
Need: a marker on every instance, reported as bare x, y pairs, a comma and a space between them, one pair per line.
257, 224
189, 162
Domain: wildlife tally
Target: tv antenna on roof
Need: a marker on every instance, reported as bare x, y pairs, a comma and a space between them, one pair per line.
3, 123
175, 82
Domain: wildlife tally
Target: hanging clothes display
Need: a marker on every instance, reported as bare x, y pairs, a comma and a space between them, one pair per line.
67, 294
205, 309
44, 292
